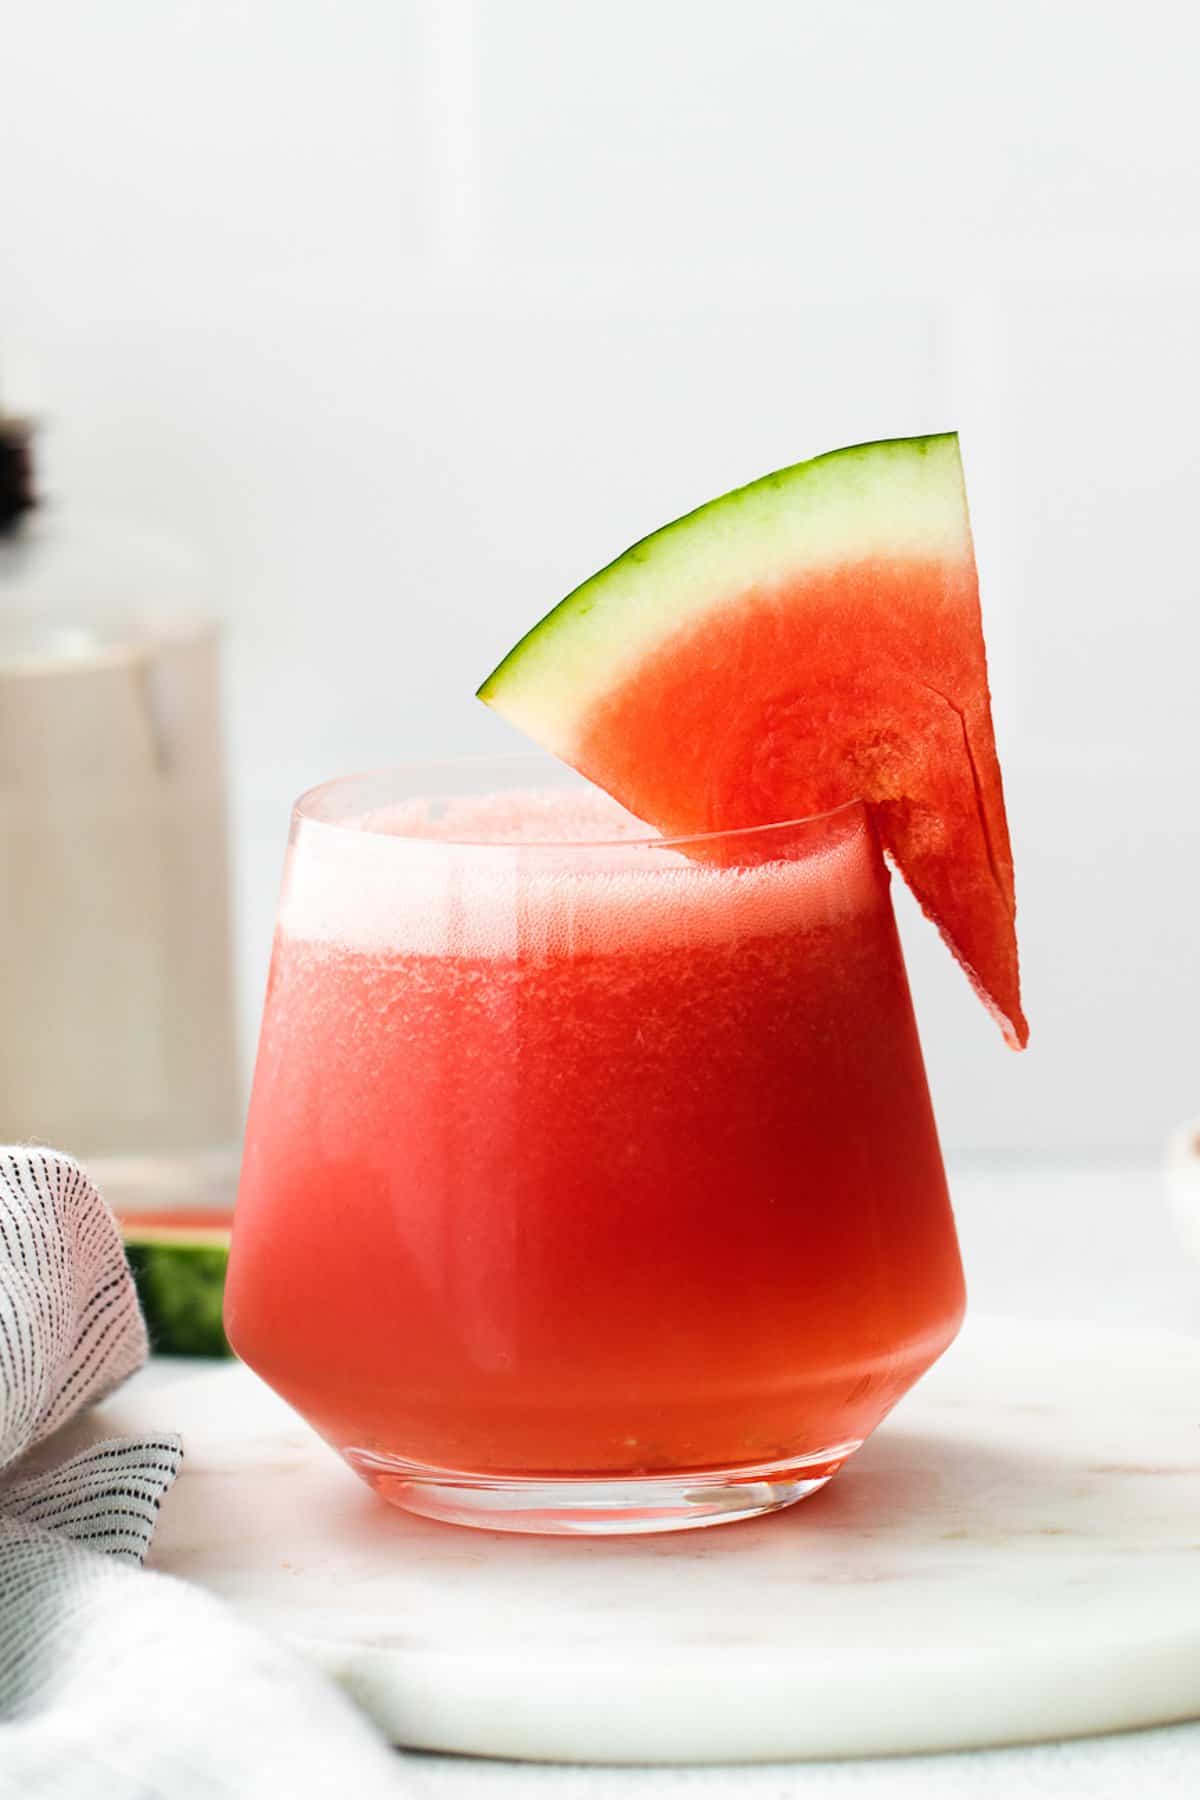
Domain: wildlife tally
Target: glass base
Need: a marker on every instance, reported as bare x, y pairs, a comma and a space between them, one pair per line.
597, 1506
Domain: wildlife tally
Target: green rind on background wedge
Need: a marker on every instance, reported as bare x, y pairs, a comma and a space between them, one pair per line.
894, 496
180, 1281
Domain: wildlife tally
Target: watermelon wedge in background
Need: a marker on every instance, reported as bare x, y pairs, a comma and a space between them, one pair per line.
810, 639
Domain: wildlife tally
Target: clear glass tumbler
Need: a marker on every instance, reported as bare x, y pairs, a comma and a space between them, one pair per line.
591, 1182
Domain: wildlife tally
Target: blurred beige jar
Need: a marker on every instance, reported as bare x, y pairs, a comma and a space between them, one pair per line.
117, 1028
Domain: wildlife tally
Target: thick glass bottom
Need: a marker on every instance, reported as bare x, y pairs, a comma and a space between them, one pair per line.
604, 1506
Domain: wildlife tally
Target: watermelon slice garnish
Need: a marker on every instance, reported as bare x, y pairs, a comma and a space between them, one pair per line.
178, 1257
810, 639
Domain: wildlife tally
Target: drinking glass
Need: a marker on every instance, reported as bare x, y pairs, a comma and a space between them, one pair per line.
591, 1182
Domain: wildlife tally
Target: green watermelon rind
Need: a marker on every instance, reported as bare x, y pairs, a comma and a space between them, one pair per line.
180, 1280
890, 498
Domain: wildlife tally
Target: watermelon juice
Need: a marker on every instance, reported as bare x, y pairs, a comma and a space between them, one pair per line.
588, 1184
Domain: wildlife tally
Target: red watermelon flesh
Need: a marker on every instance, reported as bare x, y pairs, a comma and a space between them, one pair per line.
813, 639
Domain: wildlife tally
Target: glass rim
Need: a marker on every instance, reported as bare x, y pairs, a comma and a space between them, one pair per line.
303, 810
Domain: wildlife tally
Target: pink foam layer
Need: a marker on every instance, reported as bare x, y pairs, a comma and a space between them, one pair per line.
553, 874
517, 816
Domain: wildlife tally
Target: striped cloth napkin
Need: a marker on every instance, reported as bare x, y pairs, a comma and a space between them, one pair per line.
116, 1684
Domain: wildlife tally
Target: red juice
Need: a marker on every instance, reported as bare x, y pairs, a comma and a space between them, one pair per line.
588, 1159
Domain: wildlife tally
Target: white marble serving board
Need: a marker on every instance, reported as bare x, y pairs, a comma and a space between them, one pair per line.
1014, 1556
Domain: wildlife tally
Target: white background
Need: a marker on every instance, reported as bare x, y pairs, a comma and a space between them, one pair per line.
410, 313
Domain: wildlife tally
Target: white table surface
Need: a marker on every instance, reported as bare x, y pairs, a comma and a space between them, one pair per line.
1048, 1242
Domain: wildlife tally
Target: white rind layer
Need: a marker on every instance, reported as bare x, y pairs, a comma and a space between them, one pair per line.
899, 500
